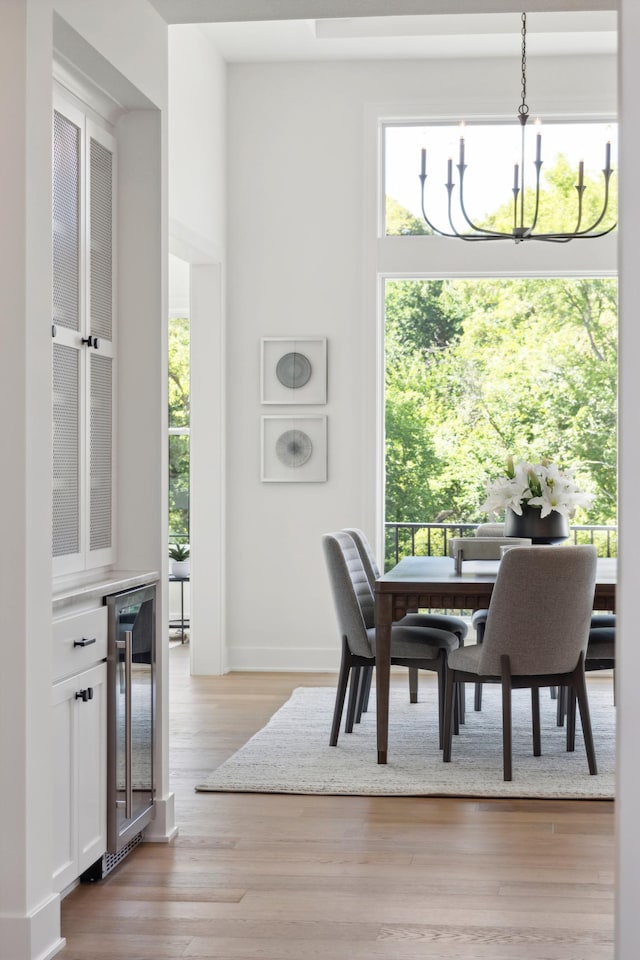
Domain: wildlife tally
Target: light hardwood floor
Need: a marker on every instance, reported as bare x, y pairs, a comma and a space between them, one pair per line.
343, 878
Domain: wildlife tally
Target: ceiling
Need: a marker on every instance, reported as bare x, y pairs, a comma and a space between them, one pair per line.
584, 27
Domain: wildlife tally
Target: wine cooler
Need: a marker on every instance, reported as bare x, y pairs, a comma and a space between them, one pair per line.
131, 715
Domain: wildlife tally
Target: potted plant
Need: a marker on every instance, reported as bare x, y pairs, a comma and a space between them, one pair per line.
179, 556
539, 499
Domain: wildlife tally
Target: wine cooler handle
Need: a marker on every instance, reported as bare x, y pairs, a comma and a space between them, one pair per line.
128, 641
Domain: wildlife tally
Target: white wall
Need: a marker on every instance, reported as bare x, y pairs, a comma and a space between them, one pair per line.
302, 261
198, 116
628, 654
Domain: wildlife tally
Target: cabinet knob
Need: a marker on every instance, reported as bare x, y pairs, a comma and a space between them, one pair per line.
84, 642
91, 341
82, 695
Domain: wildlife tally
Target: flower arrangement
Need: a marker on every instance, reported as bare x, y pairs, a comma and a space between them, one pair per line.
541, 485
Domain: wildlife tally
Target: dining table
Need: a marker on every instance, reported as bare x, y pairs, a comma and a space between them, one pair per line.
432, 583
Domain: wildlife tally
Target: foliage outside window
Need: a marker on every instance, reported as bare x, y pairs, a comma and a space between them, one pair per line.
179, 420
477, 370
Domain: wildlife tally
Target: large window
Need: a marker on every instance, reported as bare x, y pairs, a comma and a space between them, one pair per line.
480, 369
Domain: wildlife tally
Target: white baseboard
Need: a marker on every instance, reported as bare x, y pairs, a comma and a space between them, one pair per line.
282, 660
33, 937
162, 829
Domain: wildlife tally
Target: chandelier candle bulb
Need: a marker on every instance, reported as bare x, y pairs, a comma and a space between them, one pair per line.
538, 147
607, 157
423, 162
516, 170
449, 172
581, 175
461, 151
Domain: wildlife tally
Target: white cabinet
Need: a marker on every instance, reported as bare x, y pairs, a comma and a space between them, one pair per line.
83, 340
80, 769
79, 718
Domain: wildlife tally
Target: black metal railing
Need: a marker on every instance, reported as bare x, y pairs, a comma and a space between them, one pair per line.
432, 539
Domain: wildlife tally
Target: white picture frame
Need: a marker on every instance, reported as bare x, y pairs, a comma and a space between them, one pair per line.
293, 449
293, 370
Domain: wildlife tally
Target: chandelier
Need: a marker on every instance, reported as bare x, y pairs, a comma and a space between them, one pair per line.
522, 230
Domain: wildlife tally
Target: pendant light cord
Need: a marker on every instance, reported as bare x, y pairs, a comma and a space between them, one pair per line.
523, 109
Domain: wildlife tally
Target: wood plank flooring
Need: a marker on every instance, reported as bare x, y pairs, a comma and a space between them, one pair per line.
343, 878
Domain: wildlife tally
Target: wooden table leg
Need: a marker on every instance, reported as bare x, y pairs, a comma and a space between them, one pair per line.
383, 665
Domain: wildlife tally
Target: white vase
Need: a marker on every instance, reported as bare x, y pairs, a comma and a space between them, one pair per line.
181, 568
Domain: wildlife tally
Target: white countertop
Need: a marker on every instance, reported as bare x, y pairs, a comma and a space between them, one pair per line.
80, 590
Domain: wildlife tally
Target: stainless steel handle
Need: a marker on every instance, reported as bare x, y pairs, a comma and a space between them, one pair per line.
127, 646
128, 641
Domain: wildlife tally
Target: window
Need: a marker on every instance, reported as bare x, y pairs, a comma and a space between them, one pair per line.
179, 430
480, 369
179, 402
490, 153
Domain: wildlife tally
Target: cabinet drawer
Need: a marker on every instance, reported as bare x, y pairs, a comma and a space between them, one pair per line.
79, 641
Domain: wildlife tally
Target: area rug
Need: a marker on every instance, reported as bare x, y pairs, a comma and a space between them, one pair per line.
291, 754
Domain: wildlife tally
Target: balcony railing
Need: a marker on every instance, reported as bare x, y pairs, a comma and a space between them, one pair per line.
432, 539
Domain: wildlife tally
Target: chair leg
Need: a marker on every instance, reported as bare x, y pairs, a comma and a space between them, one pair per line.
448, 716
571, 718
367, 690
363, 692
477, 700
461, 702
353, 698
585, 717
535, 716
442, 680
413, 684
343, 680
506, 716
561, 708
553, 691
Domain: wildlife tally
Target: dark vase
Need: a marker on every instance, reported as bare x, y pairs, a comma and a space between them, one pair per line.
554, 528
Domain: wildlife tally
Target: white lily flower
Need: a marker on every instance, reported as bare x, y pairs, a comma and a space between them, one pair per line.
542, 485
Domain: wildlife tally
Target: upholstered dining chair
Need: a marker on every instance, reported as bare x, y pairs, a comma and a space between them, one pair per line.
419, 647
452, 624
479, 619
535, 636
600, 655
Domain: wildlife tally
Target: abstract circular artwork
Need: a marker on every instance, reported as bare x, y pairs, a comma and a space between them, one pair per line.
294, 448
293, 370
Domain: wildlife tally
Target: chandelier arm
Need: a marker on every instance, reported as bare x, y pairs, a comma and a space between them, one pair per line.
538, 165
485, 231
605, 204
565, 237
442, 233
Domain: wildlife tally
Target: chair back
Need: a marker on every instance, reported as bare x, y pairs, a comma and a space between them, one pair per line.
352, 596
371, 568
540, 610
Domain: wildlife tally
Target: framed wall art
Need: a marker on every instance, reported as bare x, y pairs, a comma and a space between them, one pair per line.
294, 449
293, 370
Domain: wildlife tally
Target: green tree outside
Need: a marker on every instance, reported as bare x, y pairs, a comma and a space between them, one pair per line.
179, 416
480, 369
